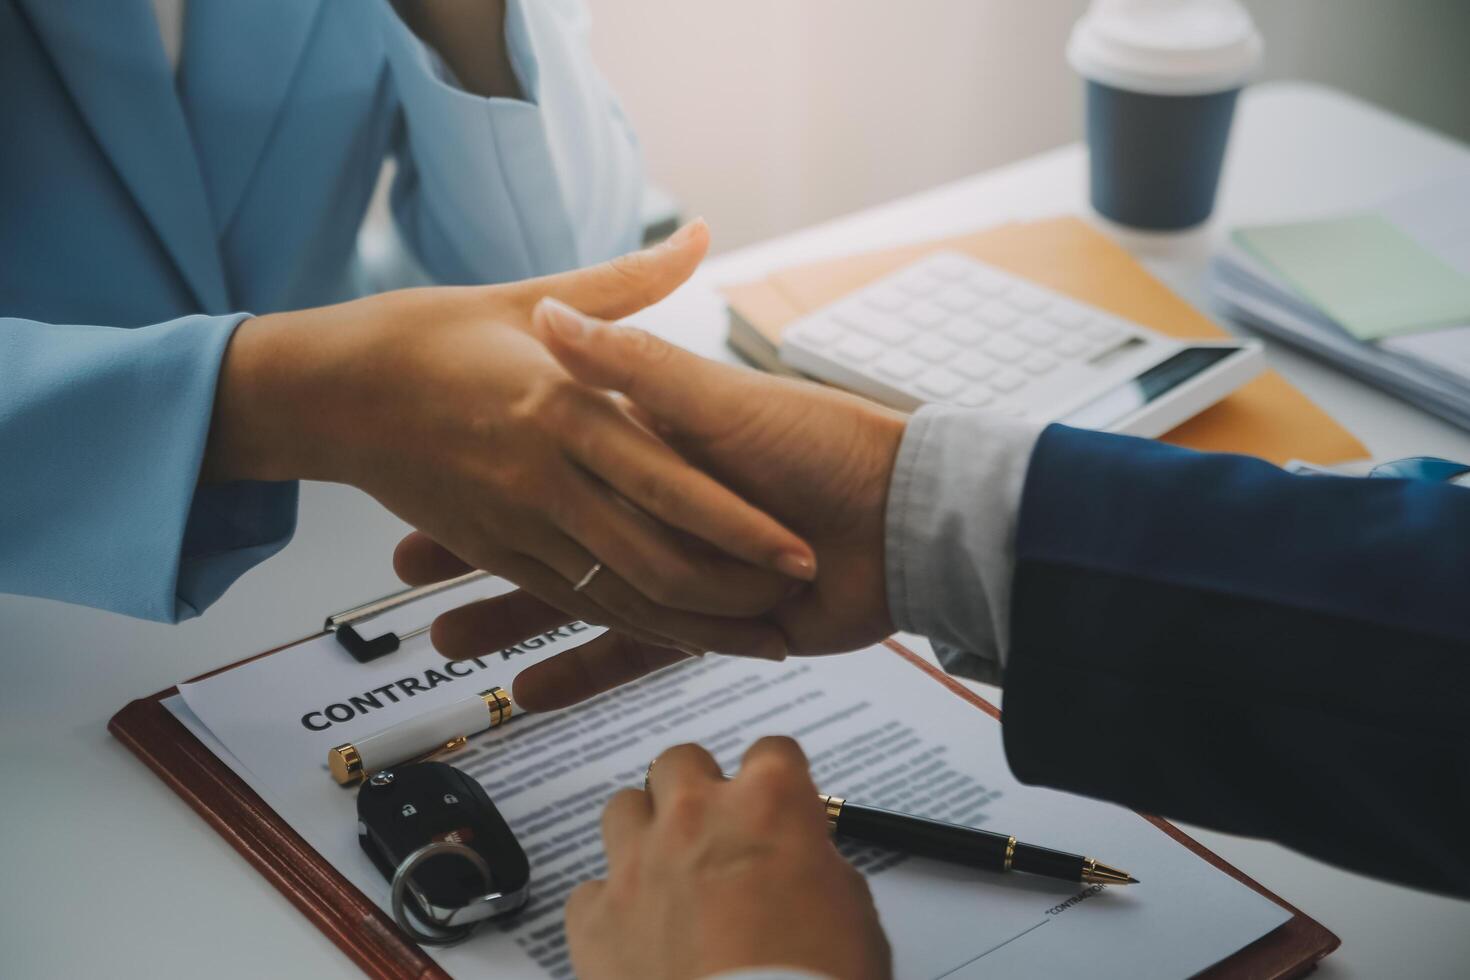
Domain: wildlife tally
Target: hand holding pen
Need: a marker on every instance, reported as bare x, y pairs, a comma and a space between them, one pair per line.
955, 843
707, 875
447, 730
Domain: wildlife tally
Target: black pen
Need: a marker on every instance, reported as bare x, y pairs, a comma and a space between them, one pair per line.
956, 844
963, 845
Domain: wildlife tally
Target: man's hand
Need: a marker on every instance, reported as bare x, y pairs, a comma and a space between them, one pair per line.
443, 405
706, 876
817, 459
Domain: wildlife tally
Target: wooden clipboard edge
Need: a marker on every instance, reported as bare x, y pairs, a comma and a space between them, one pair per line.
237, 813
375, 943
1292, 949
368, 936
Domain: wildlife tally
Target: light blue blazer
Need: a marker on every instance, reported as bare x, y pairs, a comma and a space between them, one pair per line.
141, 219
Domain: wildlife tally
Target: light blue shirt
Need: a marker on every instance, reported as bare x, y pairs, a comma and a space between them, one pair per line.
146, 214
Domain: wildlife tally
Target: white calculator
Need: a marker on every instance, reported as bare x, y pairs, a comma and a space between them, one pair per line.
956, 331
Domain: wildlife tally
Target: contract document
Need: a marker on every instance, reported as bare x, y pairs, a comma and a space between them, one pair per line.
877, 729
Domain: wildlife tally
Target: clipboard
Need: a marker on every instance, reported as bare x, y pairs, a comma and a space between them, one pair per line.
371, 938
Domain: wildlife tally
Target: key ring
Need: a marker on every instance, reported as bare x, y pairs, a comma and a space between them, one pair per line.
445, 934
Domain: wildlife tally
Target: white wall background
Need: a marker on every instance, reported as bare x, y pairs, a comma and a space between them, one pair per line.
765, 115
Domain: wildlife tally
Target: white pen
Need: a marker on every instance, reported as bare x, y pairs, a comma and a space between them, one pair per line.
442, 730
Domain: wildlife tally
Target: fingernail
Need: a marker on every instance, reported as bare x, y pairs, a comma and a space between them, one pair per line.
680, 237
563, 321
772, 649
797, 566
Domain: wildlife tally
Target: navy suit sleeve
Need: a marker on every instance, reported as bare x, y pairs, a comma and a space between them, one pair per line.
1210, 638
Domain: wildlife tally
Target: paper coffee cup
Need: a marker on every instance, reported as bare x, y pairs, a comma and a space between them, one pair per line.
1162, 78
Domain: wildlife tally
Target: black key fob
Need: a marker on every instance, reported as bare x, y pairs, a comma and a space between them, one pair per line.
450, 855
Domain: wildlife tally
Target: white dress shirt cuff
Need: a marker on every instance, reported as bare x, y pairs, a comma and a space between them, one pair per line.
950, 536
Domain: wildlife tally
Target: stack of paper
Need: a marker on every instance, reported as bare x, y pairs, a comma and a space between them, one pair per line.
1384, 295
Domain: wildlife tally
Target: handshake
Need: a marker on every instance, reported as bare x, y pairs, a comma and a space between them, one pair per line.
689, 506
696, 506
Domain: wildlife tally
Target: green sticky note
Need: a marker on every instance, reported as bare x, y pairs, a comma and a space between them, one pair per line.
1365, 273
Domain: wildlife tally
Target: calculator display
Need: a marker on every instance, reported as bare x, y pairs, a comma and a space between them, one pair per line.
1111, 407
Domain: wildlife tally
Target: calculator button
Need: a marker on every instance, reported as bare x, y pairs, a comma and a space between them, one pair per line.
987, 281
1066, 316
1025, 298
1039, 362
997, 314
818, 332
1007, 380
974, 398
917, 282
948, 266
940, 383
857, 349
925, 314
1005, 349
999, 289
1097, 350
973, 365
1101, 330
1036, 332
900, 365
1070, 346
956, 299
889, 330
850, 314
932, 348
965, 332
886, 299
884, 327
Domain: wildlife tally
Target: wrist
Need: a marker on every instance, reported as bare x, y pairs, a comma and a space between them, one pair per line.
267, 422
951, 518
888, 434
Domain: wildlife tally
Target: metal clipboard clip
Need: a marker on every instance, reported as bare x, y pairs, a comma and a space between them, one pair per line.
344, 624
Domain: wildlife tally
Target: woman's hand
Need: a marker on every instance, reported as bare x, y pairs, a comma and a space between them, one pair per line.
443, 405
706, 876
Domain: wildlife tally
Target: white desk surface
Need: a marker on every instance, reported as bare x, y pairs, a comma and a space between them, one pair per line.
102, 869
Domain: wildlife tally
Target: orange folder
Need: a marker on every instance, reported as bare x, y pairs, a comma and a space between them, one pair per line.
1267, 417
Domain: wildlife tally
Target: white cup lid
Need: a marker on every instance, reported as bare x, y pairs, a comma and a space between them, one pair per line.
1166, 47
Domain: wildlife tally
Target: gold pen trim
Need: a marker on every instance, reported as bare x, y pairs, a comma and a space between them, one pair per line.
345, 763
1094, 872
833, 807
498, 701
1010, 854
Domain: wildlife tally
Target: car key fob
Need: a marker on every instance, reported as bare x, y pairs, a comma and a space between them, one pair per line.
453, 860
